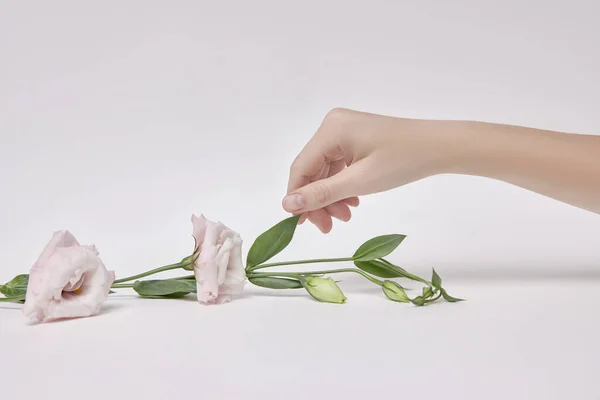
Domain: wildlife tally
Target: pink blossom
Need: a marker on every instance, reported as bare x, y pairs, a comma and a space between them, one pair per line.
219, 270
67, 281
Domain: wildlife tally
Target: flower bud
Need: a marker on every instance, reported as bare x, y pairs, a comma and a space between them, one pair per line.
323, 289
418, 301
188, 263
427, 292
395, 292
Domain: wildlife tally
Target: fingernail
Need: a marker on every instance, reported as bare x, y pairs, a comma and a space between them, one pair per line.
293, 202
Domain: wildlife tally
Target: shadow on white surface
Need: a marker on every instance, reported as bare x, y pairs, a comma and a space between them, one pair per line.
10, 307
110, 307
525, 274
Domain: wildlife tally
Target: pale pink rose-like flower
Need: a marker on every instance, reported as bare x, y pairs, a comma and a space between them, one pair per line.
67, 281
219, 270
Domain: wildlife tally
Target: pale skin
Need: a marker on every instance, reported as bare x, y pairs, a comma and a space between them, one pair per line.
353, 154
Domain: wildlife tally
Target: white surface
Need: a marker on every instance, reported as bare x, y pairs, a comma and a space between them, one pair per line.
118, 119
509, 341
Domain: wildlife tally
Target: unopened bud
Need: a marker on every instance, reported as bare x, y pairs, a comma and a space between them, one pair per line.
427, 292
395, 292
323, 289
188, 262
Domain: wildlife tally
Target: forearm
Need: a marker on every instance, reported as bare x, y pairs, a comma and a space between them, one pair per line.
562, 166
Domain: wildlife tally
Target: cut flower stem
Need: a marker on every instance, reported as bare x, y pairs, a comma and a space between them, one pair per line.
314, 261
253, 273
252, 270
153, 271
121, 285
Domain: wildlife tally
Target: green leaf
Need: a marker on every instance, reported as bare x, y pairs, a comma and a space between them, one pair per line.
449, 298
436, 280
405, 273
323, 289
380, 269
276, 283
169, 288
17, 287
183, 278
13, 291
176, 295
19, 280
378, 247
395, 292
418, 301
271, 242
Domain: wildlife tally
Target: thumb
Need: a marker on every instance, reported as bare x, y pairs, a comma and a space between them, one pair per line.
322, 193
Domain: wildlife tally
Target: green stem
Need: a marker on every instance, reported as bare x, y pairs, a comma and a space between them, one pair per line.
122, 286
295, 275
179, 278
317, 260
435, 298
331, 271
154, 271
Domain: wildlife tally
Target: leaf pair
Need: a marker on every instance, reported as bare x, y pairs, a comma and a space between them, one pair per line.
278, 237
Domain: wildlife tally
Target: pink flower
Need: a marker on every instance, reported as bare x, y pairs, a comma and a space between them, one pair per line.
67, 281
218, 269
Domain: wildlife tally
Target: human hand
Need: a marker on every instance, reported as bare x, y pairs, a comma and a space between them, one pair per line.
354, 154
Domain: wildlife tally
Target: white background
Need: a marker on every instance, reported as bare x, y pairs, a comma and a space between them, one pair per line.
118, 120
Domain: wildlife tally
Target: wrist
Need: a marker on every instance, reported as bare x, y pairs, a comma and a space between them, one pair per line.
445, 147
470, 147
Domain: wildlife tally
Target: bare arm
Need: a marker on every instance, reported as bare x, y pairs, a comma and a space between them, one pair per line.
354, 154
562, 166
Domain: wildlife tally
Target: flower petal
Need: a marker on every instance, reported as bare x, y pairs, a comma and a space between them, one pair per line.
223, 259
199, 228
206, 268
63, 268
219, 269
236, 274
